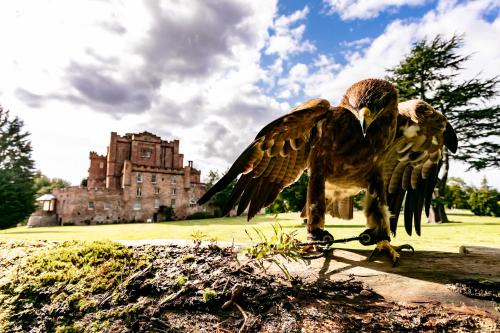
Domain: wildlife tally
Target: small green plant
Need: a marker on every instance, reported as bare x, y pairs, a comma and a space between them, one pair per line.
278, 249
188, 257
180, 280
198, 236
208, 294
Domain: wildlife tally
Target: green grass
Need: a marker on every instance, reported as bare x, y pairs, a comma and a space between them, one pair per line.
466, 229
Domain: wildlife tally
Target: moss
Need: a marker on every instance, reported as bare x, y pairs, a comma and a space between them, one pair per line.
188, 258
208, 294
180, 280
67, 281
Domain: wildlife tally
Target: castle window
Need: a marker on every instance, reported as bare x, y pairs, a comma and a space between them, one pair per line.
174, 190
137, 205
157, 203
153, 178
101, 165
139, 177
90, 205
192, 187
172, 203
192, 202
174, 180
146, 153
138, 193
107, 205
157, 190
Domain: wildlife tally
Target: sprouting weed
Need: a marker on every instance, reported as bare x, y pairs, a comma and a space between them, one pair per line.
278, 249
198, 236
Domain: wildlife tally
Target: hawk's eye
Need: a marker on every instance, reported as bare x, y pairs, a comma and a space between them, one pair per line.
382, 101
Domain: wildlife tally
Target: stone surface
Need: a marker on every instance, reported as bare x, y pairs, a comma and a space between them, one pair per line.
424, 277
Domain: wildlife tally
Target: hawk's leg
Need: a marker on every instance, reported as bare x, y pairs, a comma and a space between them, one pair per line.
377, 215
315, 205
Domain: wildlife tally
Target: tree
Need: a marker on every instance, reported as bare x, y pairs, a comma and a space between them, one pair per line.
17, 191
457, 193
485, 201
44, 184
219, 201
295, 195
84, 182
430, 72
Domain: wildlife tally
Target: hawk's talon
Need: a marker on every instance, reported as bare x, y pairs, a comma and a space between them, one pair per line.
393, 251
405, 247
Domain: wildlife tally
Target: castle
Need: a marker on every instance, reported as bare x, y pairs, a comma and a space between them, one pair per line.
142, 178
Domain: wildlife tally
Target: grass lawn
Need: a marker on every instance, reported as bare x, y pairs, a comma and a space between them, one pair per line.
466, 229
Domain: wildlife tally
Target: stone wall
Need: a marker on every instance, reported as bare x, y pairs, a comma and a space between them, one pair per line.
80, 206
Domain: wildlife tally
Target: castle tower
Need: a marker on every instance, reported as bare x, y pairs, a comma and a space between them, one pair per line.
97, 171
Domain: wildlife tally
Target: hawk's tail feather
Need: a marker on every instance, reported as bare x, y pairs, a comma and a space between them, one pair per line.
342, 208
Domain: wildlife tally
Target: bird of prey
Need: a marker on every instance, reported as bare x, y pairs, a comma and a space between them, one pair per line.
368, 142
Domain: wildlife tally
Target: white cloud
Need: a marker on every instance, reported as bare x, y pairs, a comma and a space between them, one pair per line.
358, 43
75, 72
386, 50
293, 83
366, 9
287, 38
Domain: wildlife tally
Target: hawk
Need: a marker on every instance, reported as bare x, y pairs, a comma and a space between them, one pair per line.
369, 142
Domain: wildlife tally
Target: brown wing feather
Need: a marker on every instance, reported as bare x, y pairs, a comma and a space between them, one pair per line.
412, 162
275, 159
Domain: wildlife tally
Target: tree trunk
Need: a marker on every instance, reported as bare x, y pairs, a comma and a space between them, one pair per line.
437, 213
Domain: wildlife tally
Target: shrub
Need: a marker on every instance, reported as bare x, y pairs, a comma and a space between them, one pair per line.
200, 216
485, 202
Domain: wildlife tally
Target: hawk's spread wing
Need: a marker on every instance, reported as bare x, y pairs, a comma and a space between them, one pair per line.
275, 159
413, 161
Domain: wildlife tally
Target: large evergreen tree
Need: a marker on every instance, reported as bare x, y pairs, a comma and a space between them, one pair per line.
431, 73
17, 191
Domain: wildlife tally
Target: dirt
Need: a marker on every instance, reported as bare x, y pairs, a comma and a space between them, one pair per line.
214, 289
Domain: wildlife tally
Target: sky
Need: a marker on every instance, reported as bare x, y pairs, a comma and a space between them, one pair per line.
210, 73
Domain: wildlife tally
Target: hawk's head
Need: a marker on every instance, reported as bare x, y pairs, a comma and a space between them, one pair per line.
369, 98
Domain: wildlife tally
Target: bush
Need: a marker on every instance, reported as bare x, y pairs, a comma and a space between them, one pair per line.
485, 202
200, 216
168, 212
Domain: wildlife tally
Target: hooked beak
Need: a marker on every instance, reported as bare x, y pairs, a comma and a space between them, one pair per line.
365, 119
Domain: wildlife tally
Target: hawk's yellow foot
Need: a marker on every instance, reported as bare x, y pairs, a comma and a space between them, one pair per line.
392, 251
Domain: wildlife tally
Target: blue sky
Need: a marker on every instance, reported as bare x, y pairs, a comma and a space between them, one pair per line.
209, 73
